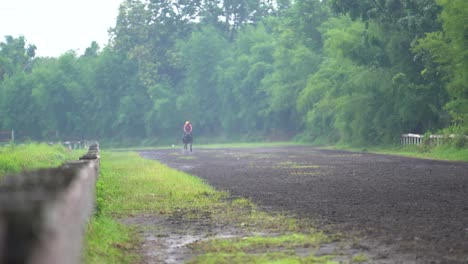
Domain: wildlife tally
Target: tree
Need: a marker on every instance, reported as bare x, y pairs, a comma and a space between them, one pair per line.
15, 56
244, 100
445, 54
92, 50
297, 55
199, 101
361, 98
17, 107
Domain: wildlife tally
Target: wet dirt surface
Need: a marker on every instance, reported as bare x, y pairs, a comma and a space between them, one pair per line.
165, 239
405, 210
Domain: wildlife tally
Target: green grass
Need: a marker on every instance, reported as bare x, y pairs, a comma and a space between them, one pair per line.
256, 243
130, 185
441, 153
270, 257
109, 242
444, 152
187, 157
359, 258
262, 249
17, 158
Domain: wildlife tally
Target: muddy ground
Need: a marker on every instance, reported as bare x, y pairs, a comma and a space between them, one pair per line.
403, 210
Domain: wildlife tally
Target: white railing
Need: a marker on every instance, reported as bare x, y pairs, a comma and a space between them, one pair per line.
417, 139
78, 144
7, 135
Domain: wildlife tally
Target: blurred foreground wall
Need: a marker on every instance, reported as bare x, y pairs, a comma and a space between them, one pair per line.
44, 213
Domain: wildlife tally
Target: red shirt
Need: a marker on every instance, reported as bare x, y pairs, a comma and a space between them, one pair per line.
188, 128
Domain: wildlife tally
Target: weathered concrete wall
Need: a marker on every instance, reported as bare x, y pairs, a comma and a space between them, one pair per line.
44, 213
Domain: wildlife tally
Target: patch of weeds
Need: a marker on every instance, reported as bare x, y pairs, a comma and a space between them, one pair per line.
260, 243
303, 173
286, 164
298, 166
261, 249
294, 165
271, 257
442, 152
252, 145
242, 202
264, 156
187, 157
245, 214
110, 242
460, 142
359, 258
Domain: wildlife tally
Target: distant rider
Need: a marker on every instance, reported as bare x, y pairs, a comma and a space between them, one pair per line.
187, 128
187, 139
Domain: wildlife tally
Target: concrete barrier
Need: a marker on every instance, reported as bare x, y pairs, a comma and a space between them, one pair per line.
44, 213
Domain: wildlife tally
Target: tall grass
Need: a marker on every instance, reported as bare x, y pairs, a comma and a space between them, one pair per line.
448, 152
108, 241
17, 158
444, 152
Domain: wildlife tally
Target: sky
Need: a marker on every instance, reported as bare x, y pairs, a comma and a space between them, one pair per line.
57, 26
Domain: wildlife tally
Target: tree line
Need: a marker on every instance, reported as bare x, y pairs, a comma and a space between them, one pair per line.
360, 72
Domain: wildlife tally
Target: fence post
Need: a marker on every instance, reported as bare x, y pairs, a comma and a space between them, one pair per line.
12, 135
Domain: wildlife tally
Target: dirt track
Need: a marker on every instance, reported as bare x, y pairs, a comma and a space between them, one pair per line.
405, 207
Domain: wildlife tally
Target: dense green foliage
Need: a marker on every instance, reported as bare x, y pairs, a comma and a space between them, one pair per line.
356, 72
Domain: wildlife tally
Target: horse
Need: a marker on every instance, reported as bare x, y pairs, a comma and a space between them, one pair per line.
187, 139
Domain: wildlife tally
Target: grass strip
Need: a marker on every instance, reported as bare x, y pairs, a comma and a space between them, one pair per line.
269, 257
109, 242
442, 152
260, 249
17, 158
130, 185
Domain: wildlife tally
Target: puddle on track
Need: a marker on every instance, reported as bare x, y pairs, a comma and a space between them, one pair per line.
167, 240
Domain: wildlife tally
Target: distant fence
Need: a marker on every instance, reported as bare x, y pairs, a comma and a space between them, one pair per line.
416, 139
77, 144
7, 135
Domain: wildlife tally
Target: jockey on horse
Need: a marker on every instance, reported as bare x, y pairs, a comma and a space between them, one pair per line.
187, 139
